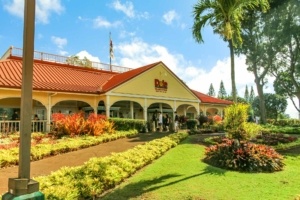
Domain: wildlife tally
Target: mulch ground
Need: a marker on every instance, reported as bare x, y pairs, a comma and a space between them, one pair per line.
76, 158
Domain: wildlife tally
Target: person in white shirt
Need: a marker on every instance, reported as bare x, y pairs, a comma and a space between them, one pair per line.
160, 121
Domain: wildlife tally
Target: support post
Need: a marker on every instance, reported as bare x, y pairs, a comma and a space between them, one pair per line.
23, 187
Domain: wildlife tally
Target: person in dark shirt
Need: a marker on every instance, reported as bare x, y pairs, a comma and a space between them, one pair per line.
15, 116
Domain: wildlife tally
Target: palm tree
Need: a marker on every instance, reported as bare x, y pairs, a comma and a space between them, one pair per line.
225, 17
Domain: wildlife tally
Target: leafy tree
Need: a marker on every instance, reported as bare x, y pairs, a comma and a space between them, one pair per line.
211, 91
239, 99
252, 95
225, 17
258, 46
275, 105
246, 95
76, 61
286, 65
222, 94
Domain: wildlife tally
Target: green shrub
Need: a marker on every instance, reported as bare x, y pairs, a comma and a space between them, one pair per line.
282, 129
235, 122
244, 156
235, 115
122, 124
245, 131
275, 138
101, 174
191, 124
10, 157
284, 122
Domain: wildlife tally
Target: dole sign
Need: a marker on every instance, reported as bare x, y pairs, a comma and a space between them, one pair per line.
160, 86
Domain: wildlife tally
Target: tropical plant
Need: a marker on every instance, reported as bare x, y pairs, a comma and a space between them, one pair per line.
225, 17
244, 156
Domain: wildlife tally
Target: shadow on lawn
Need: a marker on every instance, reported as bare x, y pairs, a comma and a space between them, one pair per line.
134, 190
294, 151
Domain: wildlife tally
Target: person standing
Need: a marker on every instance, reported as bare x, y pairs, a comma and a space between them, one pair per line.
167, 122
176, 122
154, 121
160, 121
15, 116
15, 125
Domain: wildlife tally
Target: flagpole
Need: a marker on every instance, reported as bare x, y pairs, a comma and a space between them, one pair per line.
110, 51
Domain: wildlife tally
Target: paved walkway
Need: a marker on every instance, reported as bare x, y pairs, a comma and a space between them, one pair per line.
76, 158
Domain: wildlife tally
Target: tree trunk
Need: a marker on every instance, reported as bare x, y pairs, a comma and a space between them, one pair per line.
261, 101
233, 87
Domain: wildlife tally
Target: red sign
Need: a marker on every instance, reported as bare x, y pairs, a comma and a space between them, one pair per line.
160, 86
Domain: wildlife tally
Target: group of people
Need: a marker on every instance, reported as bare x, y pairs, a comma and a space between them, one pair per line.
161, 122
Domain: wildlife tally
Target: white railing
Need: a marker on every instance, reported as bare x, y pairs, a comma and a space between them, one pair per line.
18, 52
12, 126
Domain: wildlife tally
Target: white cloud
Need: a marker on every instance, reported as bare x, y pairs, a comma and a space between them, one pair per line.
44, 8
169, 17
63, 53
84, 53
126, 8
138, 53
100, 22
60, 42
125, 34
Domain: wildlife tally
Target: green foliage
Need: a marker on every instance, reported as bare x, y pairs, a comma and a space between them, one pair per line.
222, 94
75, 60
284, 122
246, 95
122, 124
274, 139
191, 124
211, 91
245, 131
9, 157
101, 174
244, 156
275, 105
235, 116
284, 130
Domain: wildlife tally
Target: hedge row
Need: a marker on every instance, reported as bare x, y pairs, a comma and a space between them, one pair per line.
101, 174
9, 157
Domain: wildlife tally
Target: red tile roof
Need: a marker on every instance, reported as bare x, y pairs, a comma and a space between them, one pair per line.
211, 100
123, 77
56, 77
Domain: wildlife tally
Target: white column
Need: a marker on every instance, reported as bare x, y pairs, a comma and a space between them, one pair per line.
131, 109
107, 107
145, 110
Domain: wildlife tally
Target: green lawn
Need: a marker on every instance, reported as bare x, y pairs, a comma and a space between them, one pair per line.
180, 174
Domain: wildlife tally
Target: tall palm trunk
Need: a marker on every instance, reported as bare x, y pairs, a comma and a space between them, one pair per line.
233, 87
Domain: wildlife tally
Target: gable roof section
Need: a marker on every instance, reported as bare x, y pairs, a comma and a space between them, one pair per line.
126, 76
54, 77
211, 100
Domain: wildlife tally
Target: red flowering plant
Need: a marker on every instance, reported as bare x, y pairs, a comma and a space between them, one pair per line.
71, 125
217, 119
98, 124
244, 156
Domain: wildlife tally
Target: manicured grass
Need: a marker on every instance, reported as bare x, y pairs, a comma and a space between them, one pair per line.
180, 174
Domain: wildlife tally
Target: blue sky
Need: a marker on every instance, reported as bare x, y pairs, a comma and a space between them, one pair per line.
142, 32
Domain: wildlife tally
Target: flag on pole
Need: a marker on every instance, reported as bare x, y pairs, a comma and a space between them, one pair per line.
111, 48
